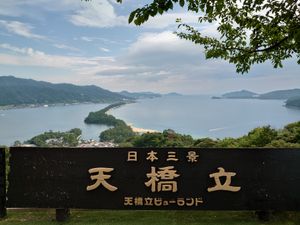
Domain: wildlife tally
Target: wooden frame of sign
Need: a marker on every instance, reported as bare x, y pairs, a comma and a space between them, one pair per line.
153, 178
2, 183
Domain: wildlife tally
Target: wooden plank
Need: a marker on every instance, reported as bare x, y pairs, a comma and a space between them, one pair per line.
2, 183
261, 179
62, 215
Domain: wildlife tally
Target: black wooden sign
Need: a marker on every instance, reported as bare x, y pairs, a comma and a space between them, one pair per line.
171, 178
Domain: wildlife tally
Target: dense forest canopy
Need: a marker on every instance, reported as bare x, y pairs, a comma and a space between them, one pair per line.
263, 137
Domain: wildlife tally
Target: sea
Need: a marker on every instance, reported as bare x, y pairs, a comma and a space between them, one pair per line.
198, 116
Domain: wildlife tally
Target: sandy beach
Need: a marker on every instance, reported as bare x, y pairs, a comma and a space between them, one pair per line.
142, 130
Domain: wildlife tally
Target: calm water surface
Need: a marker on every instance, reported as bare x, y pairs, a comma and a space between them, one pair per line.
195, 115
204, 117
23, 124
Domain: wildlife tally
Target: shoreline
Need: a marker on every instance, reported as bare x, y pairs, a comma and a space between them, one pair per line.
134, 129
142, 130
33, 106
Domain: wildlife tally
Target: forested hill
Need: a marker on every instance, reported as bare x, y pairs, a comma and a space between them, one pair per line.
17, 91
293, 102
281, 94
240, 94
278, 94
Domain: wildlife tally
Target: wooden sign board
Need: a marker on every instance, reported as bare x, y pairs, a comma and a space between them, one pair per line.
170, 178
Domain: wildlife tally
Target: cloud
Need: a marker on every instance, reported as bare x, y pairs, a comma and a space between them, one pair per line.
123, 72
100, 39
66, 47
166, 43
157, 61
11, 8
87, 39
163, 62
156, 52
21, 29
168, 20
32, 57
104, 49
20, 8
13, 48
160, 61
97, 13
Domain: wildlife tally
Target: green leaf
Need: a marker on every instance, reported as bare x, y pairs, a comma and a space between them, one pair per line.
160, 11
153, 12
181, 3
169, 5
131, 16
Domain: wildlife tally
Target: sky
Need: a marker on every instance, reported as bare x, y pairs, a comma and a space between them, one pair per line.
91, 43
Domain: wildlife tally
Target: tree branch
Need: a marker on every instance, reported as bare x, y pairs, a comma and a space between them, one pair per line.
276, 45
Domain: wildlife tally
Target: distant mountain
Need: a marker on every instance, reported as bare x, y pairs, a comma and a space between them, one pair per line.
17, 91
240, 94
281, 94
138, 95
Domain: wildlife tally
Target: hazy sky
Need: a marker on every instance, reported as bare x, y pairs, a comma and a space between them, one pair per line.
92, 43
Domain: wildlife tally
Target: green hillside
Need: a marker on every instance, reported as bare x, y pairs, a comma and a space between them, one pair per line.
278, 94
17, 91
240, 94
281, 94
293, 102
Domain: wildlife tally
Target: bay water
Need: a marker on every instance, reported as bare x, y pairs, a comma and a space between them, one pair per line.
23, 124
199, 116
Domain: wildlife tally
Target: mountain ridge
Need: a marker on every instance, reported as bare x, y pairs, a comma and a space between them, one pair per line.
140, 95
240, 94
272, 95
20, 91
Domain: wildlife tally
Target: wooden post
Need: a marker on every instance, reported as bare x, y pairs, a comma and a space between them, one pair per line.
2, 184
263, 215
62, 214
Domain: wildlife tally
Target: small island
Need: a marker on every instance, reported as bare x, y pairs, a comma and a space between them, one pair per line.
243, 94
215, 97
291, 96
